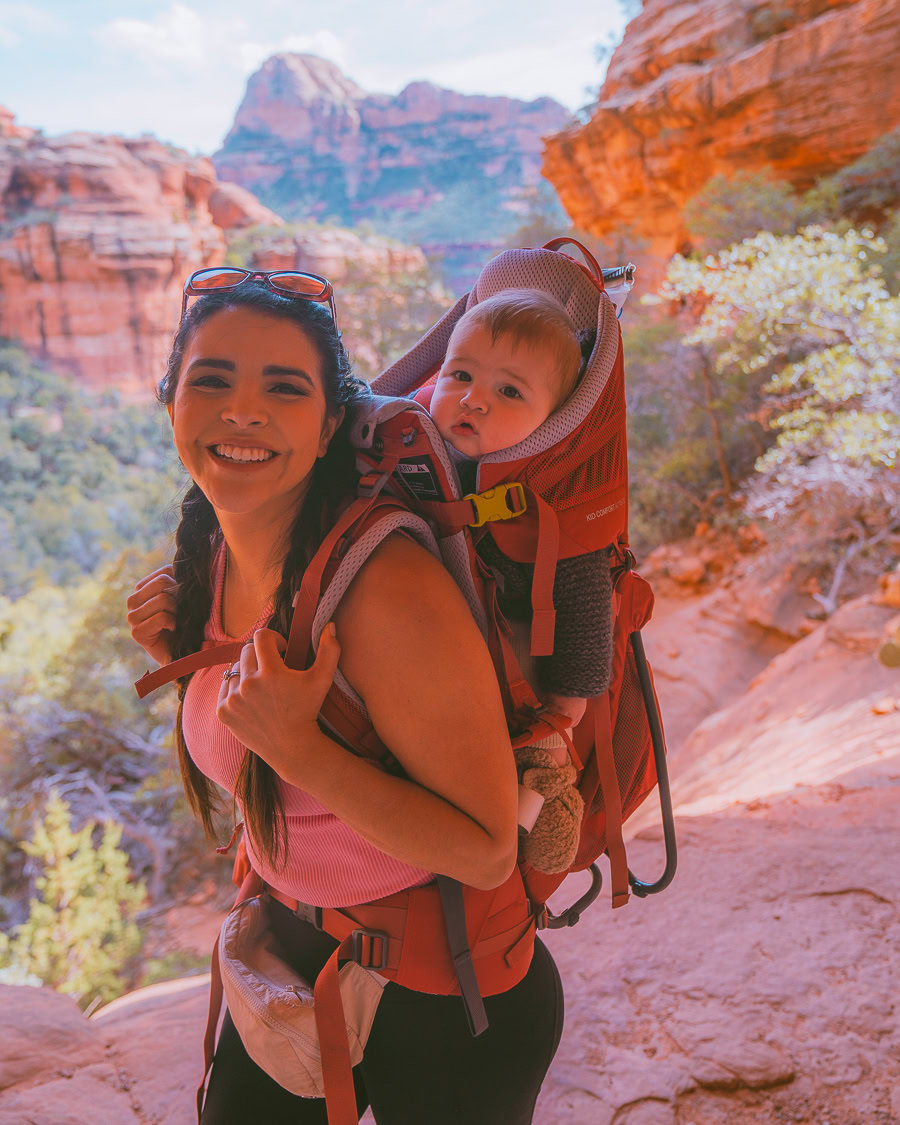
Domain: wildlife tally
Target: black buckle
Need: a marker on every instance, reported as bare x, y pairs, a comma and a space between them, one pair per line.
311, 914
356, 950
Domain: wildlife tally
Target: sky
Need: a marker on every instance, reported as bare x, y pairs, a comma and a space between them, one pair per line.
178, 69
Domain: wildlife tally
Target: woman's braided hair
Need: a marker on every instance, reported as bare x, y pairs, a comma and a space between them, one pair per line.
333, 480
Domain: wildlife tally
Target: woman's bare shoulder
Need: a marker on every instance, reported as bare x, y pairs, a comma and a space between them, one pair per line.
400, 572
404, 596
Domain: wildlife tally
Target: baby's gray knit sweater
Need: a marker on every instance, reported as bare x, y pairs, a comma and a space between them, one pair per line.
582, 596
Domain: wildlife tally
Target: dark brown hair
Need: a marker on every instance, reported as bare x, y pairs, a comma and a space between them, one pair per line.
333, 479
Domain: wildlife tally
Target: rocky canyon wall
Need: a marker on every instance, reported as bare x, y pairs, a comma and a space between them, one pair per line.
96, 236
429, 165
701, 87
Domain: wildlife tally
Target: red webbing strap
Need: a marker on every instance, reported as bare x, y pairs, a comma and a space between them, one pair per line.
612, 800
306, 600
514, 687
543, 620
337, 1071
205, 658
449, 516
564, 733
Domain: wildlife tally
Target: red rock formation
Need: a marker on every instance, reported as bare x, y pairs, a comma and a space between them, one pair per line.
233, 208
310, 142
96, 236
700, 87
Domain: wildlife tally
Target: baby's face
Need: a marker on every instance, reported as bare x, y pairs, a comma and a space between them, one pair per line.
492, 394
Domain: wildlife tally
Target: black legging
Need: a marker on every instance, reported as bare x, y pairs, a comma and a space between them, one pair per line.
422, 1065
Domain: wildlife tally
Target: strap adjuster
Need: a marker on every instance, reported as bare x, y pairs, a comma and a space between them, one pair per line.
502, 502
363, 951
307, 913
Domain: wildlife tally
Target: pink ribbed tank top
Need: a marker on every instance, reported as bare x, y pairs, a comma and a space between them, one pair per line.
328, 863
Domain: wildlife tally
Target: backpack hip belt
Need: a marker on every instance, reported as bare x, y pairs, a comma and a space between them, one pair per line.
412, 938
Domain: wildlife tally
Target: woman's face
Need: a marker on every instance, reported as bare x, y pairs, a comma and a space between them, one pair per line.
249, 415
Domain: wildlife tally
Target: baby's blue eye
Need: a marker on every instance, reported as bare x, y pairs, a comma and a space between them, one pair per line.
510, 392
462, 376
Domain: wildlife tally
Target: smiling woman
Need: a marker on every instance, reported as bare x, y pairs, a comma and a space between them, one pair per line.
260, 398
249, 423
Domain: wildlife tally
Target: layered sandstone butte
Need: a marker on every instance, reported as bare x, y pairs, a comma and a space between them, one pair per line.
429, 165
97, 234
701, 87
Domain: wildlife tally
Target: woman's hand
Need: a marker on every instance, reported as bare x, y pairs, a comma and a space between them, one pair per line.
272, 709
151, 613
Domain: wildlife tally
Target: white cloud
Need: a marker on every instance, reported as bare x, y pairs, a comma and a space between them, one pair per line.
18, 20
556, 68
181, 35
177, 35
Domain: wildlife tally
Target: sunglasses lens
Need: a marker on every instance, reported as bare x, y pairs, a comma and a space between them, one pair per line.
299, 283
217, 278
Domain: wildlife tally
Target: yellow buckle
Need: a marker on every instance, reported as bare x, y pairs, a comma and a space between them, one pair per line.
496, 503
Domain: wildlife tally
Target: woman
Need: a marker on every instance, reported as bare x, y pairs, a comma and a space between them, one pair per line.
259, 395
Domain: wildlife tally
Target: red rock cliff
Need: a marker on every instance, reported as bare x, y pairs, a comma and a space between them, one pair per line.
310, 143
700, 87
96, 236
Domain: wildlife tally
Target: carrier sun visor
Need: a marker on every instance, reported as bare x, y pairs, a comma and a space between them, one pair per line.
618, 281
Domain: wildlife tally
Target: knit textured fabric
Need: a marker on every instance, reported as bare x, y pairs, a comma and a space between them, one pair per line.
582, 596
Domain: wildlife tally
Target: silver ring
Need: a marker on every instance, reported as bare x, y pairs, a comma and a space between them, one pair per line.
229, 672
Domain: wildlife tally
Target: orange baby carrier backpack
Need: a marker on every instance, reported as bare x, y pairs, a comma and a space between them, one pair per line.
560, 493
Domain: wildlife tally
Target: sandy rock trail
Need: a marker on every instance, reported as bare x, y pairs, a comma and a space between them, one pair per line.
760, 988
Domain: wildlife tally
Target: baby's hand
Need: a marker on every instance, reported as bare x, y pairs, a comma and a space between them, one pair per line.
569, 706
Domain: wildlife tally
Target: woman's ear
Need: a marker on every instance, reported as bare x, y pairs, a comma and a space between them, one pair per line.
329, 429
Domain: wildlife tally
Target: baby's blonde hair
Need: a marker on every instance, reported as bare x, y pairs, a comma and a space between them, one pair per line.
538, 320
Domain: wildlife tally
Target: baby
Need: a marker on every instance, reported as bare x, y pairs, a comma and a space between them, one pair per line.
511, 362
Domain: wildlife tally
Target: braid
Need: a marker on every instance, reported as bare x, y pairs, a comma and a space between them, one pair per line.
193, 600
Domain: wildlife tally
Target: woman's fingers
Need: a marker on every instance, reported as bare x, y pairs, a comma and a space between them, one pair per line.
248, 662
327, 655
163, 573
150, 628
268, 647
158, 603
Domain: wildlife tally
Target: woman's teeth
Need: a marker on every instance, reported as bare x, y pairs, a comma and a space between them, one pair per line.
236, 453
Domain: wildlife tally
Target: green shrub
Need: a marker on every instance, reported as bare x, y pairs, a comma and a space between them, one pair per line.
81, 933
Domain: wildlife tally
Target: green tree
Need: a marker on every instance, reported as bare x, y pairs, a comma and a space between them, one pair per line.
81, 932
81, 476
731, 208
866, 191
811, 313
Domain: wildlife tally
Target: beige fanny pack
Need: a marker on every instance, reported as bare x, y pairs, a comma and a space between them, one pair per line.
272, 1005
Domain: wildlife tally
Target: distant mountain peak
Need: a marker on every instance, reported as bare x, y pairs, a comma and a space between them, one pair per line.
307, 78
429, 164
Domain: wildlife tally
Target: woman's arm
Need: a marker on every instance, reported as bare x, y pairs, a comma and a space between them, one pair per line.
410, 648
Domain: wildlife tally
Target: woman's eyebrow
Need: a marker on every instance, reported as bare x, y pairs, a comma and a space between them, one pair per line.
270, 370
274, 369
222, 364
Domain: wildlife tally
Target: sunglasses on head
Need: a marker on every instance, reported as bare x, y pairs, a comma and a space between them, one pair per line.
286, 283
